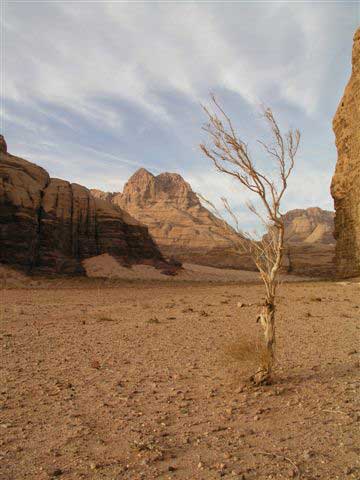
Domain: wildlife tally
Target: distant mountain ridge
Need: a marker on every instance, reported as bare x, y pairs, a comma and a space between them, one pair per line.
309, 242
182, 227
51, 225
311, 225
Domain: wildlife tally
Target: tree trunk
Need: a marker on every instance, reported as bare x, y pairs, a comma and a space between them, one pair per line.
267, 320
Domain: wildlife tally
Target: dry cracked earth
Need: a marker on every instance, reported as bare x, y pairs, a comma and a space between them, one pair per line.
106, 380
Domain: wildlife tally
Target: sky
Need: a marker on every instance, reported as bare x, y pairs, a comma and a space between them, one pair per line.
92, 91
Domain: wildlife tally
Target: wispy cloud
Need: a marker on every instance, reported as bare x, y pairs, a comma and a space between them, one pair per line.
124, 81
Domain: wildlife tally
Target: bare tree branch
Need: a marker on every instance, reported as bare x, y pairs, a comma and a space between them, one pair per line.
230, 155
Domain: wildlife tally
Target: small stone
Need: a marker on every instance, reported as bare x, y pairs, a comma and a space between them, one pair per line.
171, 468
95, 364
200, 465
57, 472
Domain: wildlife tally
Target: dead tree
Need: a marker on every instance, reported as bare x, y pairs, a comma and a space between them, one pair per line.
230, 155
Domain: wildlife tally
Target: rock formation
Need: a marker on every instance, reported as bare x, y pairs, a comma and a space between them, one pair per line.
312, 225
185, 229
181, 226
345, 187
51, 225
309, 242
3, 146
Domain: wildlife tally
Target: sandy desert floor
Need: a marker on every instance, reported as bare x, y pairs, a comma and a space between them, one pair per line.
103, 380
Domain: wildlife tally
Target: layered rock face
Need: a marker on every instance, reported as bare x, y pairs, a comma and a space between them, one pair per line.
177, 221
51, 225
21, 187
309, 242
345, 187
312, 225
185, 229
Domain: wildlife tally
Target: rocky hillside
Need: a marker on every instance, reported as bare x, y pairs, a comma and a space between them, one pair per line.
184, 228
309, 242
51, 225
177, 221
310, 226
345, 187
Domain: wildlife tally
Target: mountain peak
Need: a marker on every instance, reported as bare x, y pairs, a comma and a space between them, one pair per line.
140, 174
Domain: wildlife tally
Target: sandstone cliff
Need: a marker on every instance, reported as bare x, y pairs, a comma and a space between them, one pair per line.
309, 242
184, 228
312, 225
345, 187
51, 225
177, 221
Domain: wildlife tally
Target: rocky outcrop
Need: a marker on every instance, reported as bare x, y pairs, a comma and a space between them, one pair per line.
312, 225
51, 225
185, 229
101, 195
309, 242
180, 225
345, 187
21, 188
3, 146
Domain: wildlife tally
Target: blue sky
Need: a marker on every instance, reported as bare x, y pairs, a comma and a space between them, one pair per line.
94, 90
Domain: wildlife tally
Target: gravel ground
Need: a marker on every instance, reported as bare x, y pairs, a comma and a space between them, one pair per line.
135, 381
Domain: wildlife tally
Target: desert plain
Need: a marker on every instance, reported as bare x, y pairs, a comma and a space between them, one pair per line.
145, 379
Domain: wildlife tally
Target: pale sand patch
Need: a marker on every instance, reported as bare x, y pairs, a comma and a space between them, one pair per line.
106, 266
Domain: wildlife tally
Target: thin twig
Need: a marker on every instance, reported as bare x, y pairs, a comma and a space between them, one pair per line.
336, 411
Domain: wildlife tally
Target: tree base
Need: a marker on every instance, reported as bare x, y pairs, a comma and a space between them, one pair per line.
261, 377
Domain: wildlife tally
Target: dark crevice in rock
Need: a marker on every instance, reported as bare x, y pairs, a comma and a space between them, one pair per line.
35, 254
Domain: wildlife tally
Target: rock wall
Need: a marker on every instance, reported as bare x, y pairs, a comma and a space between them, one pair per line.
311, 225
309, 242
181, 226
21, 188
185, 229
51, 225
345, 187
